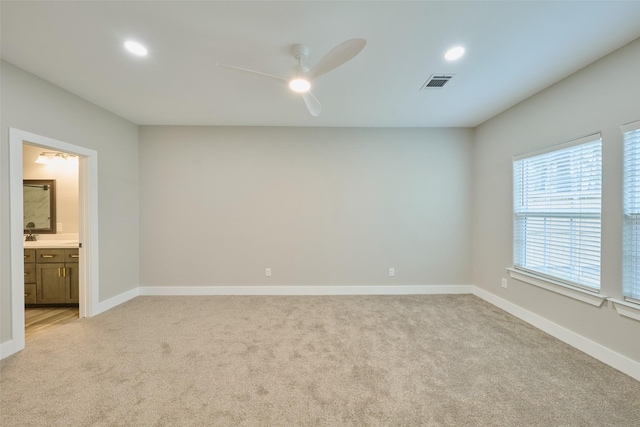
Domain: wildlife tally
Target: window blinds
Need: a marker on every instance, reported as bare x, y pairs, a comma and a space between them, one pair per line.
631, 260
557, 207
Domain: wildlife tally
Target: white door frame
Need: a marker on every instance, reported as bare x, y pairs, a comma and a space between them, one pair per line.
88, 224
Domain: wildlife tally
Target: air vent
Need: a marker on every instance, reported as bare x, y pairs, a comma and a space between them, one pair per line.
437, 81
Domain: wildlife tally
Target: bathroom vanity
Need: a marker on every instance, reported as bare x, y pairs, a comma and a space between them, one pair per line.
51, 275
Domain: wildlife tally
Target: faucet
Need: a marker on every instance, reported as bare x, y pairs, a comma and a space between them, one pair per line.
30, 237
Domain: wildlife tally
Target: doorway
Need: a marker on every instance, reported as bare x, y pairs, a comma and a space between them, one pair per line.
51, 223
87, 226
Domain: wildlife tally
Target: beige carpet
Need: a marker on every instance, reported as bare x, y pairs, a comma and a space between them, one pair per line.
449, 360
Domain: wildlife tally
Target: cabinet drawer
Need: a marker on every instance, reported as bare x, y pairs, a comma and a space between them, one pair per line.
49, 255
30, 293
29, 273
71, 255
29, 255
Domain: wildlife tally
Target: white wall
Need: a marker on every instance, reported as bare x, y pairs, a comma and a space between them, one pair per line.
66, 187
320, 206
34, 105
600, 97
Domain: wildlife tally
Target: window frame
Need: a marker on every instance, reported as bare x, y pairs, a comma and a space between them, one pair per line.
535, 276
631, 251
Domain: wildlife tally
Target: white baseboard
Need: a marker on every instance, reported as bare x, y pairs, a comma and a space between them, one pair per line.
114, 301
593, 349
307, 290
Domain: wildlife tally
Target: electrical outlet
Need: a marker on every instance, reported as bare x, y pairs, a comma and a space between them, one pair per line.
392, 272
267, 272
504, 282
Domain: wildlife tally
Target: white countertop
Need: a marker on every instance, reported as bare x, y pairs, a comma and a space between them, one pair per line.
49, 244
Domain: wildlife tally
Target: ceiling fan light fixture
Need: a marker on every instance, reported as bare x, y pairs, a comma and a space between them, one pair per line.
300, 85
301, 77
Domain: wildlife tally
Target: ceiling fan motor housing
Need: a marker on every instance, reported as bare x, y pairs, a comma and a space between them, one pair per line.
300, 51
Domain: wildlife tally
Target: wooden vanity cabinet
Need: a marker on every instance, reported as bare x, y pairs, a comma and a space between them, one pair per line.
56, 276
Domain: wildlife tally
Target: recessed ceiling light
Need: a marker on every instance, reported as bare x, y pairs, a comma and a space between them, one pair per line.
135, 48
454, 53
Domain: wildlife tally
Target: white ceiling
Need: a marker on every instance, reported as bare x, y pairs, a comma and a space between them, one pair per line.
514, 49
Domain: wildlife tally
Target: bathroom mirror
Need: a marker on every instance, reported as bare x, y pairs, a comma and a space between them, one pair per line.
39, 200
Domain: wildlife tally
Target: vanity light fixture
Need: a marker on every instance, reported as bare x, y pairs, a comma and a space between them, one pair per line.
58, 160
55, 157
43, 159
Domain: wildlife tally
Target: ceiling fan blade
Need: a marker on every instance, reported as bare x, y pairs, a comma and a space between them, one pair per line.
246, 70
312, 103
337, 56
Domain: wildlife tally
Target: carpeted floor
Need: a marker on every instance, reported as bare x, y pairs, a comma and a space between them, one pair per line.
450, 360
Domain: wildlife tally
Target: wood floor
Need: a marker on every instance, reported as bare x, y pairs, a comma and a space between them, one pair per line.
39, 321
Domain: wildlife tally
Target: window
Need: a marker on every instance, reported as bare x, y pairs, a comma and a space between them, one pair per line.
557, 206
631, 255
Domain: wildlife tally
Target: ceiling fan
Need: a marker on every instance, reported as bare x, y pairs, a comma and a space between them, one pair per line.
301, 76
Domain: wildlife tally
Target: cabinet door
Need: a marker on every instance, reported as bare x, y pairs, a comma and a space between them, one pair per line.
73, 282
71, 257
52, 285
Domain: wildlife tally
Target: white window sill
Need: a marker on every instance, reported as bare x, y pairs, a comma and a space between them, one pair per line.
579, 294
626, 309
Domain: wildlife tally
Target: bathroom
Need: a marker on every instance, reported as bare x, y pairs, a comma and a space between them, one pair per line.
51, 228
